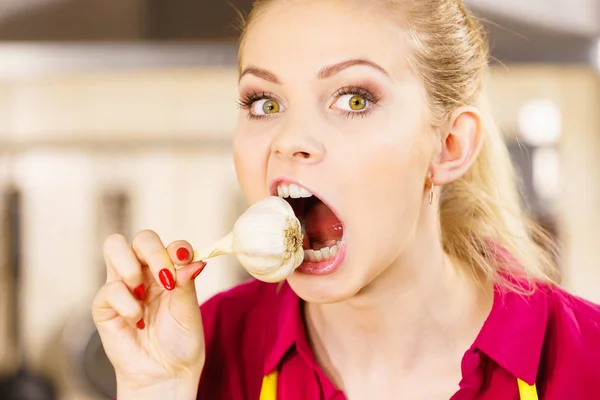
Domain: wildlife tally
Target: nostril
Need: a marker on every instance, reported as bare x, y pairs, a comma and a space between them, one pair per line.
302, 154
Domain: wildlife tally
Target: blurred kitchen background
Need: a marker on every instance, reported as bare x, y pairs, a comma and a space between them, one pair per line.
117, 116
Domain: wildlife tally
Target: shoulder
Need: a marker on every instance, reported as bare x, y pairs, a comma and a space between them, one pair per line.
235, 325
572, 345
577, 318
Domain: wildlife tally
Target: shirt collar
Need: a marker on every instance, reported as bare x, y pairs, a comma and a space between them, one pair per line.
512, 335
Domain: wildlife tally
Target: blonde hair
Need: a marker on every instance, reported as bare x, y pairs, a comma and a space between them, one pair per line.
482, 222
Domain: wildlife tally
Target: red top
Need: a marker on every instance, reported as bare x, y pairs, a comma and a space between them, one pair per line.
550, 337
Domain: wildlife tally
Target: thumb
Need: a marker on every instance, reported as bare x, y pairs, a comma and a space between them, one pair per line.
188, 273
183, 301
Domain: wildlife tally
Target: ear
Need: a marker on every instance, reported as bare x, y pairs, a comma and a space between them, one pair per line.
461, 141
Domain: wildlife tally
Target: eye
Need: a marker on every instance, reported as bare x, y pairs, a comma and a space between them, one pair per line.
354, 101
260, 105
265, 107
351, 102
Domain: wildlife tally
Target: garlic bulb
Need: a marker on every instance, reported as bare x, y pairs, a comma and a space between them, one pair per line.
266, 239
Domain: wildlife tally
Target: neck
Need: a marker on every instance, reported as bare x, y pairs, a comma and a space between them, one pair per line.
418, 311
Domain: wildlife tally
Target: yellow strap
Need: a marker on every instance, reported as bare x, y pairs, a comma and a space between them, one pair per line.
269, 388
526, 391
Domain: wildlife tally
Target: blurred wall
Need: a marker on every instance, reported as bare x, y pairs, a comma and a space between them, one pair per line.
119, 20
581, 16
576, 91
52, 20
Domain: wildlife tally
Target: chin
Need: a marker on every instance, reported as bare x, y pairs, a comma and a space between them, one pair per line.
330, 288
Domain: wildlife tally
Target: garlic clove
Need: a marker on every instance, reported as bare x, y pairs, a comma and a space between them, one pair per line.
267, 240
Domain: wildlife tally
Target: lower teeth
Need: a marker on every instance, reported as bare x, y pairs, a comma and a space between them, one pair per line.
324, 254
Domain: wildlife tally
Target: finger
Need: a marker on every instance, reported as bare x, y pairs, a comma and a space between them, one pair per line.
122, 264
150, 250
115, 300
190, 272
181, 252
184, 301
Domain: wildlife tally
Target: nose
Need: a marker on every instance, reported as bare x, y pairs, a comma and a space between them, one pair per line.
297, 143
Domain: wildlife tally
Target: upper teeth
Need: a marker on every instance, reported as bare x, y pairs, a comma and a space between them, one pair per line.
292, 190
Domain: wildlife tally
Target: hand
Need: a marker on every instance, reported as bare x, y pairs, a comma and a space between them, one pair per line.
148, 317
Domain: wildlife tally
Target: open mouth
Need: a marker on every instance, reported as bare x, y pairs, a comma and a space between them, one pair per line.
322, 229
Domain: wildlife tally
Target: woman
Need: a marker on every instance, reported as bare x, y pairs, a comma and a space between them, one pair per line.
430, 283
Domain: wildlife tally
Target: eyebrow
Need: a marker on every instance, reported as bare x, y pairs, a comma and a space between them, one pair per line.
324, 73
260, 73
331, 70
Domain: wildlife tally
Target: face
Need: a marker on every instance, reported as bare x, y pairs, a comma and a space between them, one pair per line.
328, 104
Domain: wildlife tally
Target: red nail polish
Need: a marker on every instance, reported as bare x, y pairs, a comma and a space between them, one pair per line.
199, 271
166, 278
182, 254
141, 324
140, 292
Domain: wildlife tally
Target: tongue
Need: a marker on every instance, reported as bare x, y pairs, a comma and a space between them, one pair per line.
322, 225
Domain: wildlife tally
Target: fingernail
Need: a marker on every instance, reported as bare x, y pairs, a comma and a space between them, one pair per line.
182, 254
140, 292
198, 271
166, 278
141, 324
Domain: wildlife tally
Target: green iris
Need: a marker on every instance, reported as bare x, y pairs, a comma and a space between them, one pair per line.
270, 107
358, 103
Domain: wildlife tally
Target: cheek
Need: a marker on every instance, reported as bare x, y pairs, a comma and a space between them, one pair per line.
399, 160
393, 176
250, 166
386, 179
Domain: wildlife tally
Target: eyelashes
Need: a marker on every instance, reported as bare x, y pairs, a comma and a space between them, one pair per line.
355, 96
349, 101
358, 91
252, 97
251, 100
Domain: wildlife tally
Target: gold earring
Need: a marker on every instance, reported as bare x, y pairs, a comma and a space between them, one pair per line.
431, 189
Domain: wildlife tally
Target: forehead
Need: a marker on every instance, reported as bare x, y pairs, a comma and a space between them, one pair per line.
299, 37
